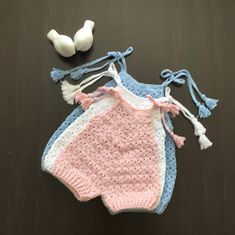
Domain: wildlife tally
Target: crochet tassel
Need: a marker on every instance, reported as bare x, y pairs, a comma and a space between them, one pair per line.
204, 142
174, 110
69, 91
86, 100
69, 98
79, 96
179, 140
199, 129
85, 103
203, 111
210, 102
57, 74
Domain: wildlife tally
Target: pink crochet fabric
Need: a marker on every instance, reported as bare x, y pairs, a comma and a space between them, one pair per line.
115, 157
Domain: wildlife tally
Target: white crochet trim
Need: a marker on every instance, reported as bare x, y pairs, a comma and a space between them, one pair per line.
160, 137
80, 123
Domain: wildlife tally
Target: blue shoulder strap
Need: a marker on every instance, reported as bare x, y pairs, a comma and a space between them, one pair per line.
77, 72
208, 104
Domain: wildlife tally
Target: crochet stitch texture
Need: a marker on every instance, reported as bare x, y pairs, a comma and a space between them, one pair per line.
115, 156
141, 90
166, 74
77, 126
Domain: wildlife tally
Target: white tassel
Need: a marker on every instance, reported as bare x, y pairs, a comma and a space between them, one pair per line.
204, 142
69, 91
199, 129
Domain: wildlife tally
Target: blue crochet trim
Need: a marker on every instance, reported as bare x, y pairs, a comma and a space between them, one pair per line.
206, 106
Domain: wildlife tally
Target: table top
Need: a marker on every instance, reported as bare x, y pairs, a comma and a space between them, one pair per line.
196, 35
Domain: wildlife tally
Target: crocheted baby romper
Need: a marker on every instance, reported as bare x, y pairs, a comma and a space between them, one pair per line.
142, 90
136, 101
116, 156
137, 88
80, 123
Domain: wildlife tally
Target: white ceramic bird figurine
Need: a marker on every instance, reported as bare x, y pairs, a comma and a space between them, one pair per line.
63, 44
83, 38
